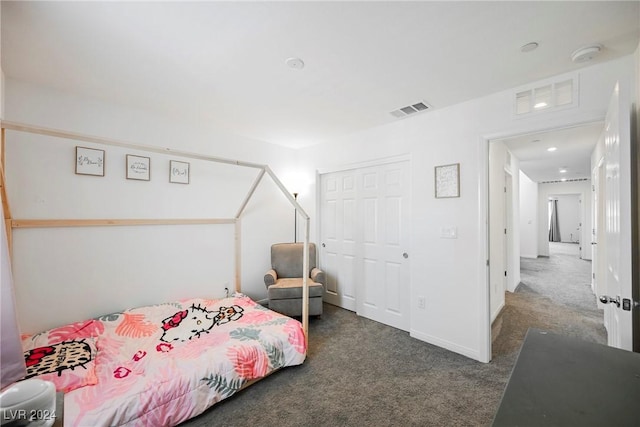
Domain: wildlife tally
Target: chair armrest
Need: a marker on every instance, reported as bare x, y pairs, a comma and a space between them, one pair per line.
317, 276
270, 278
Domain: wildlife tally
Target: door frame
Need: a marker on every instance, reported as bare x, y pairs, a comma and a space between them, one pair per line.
483, 207
509, 244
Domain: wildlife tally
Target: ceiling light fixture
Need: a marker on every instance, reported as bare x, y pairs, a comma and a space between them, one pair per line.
563, 171
295, 63
529, 47
540, 105
550, 149
586, 53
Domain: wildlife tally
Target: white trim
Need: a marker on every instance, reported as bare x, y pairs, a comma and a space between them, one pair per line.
483, 219
448, 345
484, 297
495, 314
585, 119
365, 164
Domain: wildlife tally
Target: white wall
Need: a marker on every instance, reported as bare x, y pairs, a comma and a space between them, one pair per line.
1, 73
583, 188
1, 93
84, 272
457, 312
528, 217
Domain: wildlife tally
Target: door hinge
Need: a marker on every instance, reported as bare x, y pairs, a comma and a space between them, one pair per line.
505, 273
593, 275
505, 231
487, 263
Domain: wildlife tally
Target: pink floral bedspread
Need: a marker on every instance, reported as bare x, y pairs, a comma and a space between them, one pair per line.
161, 365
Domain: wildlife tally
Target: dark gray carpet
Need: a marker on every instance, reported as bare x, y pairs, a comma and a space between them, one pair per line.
563, 276
363, 373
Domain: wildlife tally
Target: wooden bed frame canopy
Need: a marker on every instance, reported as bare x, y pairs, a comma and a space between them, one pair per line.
236, 220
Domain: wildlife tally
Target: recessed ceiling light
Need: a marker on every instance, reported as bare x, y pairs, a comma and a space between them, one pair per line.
563, 179
563, 171
529, 47
552, 149
540, 105
586, 53
295, 63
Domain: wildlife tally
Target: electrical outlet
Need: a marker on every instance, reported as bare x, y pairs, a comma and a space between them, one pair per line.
422, 303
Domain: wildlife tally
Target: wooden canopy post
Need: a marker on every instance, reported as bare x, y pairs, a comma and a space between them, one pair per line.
238, 255
305, 252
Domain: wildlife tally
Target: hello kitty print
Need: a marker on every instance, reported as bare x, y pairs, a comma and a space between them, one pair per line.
188, 324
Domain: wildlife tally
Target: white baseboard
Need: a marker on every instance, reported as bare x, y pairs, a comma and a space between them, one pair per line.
497, 311
465, 351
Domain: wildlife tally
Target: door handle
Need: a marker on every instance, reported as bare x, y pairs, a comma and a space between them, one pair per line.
594, 243
405, 255
605, 299
324, 246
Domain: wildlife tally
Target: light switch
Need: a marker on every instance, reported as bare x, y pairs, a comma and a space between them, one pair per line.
449, 233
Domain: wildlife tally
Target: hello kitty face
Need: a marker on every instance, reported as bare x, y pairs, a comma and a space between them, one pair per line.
187, 324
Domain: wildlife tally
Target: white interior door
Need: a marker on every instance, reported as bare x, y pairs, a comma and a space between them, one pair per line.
617, 275
338, 237
365, 239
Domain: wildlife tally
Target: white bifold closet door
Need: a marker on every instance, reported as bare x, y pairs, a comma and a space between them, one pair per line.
364, 236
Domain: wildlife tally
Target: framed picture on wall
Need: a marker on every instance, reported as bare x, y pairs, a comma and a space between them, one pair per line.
447, 179
138, 167
89, 161
178, 172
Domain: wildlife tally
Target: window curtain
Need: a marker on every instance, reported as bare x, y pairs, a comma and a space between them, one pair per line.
12, 366
554, 225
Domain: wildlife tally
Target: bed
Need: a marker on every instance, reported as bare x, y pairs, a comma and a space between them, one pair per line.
163, 364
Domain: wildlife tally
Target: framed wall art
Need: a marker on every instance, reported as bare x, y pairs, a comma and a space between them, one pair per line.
447, 180
138, 167
89, 161
178, 172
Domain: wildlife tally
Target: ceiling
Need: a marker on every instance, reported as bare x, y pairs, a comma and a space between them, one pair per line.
573, 153
223, 63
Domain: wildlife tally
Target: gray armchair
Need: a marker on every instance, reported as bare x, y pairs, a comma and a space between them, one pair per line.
284, 280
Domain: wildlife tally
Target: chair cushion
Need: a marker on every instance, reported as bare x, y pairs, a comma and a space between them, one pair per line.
293, 307
292, 288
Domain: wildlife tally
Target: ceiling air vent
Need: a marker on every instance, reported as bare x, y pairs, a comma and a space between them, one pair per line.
410, 109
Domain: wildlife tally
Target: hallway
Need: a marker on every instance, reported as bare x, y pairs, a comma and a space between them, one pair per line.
563, 277
554, 295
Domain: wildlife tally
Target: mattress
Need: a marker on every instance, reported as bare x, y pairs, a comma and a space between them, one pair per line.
163, 364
